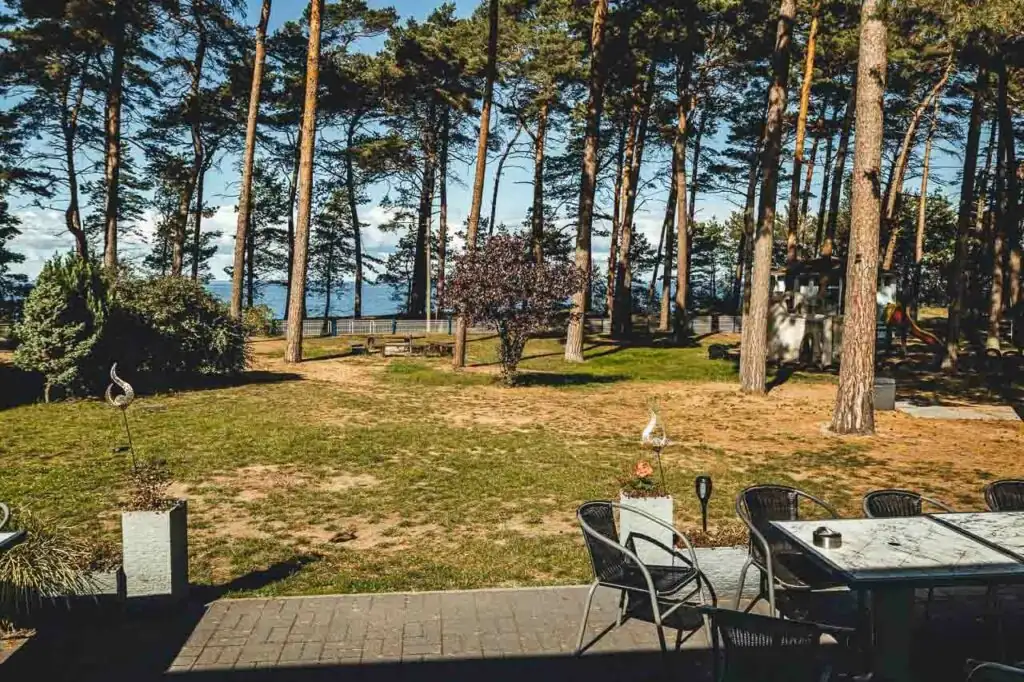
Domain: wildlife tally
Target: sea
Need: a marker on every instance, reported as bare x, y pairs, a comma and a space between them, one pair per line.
376, 299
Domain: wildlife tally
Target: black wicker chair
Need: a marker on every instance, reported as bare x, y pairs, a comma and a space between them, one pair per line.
780, 563
893, 503
752, 648
618, 567
993, 672
1005, 495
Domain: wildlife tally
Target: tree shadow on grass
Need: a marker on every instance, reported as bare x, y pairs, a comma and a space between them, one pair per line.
566, 379
107, 640
25, 388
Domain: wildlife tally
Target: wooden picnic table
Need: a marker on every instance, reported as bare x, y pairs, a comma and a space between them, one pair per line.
886, 559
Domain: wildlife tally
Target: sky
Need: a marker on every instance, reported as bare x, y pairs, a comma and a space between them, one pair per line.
44, 233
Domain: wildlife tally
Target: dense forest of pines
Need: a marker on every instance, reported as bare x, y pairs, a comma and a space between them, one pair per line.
880, 134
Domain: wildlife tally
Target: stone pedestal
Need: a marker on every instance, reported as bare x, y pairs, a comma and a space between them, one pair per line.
631, 523
155, 546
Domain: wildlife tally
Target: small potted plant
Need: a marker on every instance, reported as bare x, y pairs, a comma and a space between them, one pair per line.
154, 526
643, 492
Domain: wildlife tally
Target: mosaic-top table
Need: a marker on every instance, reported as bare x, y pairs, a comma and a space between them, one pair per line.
889, 558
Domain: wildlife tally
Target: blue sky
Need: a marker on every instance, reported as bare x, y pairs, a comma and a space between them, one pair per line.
45, 234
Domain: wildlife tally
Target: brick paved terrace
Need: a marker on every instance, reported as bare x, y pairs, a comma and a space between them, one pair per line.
480, 636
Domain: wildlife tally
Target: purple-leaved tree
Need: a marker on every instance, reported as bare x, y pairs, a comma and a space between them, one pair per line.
501, 285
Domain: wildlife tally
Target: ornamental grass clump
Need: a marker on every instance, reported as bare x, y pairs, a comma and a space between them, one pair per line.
50, 563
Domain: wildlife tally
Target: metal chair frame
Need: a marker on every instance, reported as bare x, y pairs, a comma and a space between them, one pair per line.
992, 502
767, 570
866, 502
656, 598
979, 671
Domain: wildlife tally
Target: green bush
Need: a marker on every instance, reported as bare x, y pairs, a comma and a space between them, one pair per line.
63, 325
258, 320
76, 324
180, 327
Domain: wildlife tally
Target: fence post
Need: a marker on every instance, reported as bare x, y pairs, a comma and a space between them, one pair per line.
394, 326
334, 327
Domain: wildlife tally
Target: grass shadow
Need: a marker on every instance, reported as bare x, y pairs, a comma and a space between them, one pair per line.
559, 379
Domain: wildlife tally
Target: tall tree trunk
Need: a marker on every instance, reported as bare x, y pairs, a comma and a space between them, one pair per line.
497, 178
805, 195
684, 105
588, 186
442, 230
195, 127
459, 355
657, 267
895, 190
248, 159
792, 236
293, 189
297, 295
854, 409
1011, 214
745, 269
668, 231
698, 137
537, 222
999, 255
250, 266
112, 143
621, 191
982, 233
819, 232
197, 225
922, 213
418, 299
839, 175
353, 207
754, 346
69, 127
622, 319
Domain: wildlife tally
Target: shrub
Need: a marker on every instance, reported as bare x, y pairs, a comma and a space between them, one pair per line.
502, 286
63, 324
258, 320
148, 481
180, 327
49, 563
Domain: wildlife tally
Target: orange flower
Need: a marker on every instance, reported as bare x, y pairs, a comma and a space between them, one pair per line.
642, 469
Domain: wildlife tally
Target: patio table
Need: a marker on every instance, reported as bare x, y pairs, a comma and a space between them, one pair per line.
890, 558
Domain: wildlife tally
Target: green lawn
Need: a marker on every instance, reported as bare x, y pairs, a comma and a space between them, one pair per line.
364, 474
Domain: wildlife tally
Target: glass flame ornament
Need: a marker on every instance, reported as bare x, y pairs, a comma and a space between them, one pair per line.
654, 436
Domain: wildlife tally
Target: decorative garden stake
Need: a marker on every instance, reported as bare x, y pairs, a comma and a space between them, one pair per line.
654, 435
702, 484
122, 402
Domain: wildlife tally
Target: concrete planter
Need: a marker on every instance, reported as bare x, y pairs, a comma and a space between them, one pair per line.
658, 507
155, 546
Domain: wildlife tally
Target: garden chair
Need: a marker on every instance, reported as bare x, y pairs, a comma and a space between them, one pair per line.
894, 503
752, 648
779, 562
979, 671
616, 566
5, 515
1006, 495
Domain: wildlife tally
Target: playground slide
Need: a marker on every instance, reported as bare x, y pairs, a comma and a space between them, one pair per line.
896, 317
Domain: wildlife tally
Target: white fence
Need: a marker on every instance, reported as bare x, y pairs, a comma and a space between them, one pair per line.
345, 326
